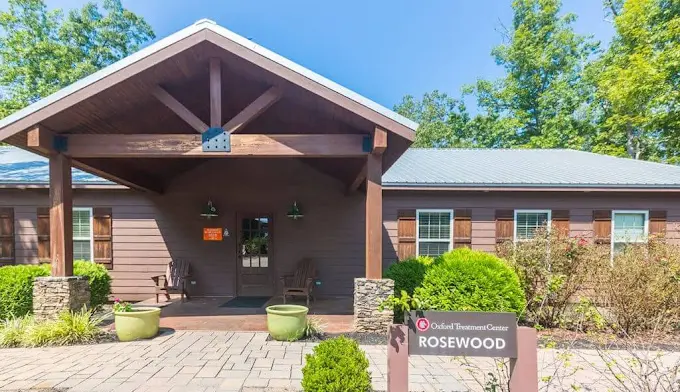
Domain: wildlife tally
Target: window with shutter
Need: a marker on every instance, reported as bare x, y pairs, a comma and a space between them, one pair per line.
82, 234
462, 228
528, 222
103, 236
7, 247
43, 230
434, 235
406, 233
628, 227
504, 225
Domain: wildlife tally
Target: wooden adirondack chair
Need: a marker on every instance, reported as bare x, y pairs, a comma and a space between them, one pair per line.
301, 282
174, 280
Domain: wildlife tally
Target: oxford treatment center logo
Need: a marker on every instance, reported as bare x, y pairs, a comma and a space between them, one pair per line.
461, 333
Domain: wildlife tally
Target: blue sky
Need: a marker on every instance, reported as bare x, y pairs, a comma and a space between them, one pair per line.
382, 49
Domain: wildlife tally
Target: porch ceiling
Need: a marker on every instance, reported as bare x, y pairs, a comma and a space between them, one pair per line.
127, 106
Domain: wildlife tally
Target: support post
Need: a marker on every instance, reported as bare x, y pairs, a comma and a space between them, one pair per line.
524, 368
215, 93
397, 358
61, 215
374, 216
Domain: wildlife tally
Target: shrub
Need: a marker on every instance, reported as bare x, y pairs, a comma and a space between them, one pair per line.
16, 289
407, 275
100, 281
641, 288
553, 269
468, 280
69, 328
336, 365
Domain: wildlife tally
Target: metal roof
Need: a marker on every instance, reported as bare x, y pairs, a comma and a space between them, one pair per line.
443, 168
536, 168
205, 24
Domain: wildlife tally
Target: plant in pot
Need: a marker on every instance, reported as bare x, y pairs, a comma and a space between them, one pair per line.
135, 323
287, 322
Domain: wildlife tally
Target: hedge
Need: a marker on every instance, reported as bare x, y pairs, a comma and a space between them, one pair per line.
16, 286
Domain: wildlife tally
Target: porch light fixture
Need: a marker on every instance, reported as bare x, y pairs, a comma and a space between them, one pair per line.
209, 210
294, 212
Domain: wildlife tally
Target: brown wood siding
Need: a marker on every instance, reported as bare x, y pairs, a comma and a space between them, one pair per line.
149, 230
484, 205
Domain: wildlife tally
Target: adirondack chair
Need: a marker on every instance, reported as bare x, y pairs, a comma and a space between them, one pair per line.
174, 280
301, 282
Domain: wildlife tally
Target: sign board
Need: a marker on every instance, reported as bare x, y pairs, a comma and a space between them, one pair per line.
473, 334
212, 234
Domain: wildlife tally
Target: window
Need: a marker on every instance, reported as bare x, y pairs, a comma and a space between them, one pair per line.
82, 234
527, 222
628, 227
434, 232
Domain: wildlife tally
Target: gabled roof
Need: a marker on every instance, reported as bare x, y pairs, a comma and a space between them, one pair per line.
406, 127
539, 168
444, 169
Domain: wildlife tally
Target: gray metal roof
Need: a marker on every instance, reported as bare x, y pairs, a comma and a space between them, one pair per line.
19, 167
526, 168
205, 24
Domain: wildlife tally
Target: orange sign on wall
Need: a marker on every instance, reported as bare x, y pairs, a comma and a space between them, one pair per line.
212, 234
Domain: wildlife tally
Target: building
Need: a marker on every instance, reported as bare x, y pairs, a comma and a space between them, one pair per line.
206, 118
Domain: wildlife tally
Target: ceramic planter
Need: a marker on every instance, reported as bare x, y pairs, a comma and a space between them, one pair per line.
141, 323
286, 322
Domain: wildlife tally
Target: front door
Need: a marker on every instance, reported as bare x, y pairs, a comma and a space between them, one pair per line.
254, 260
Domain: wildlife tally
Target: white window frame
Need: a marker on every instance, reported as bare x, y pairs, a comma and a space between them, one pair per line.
514, 222
418, 240
646, 228
91, 239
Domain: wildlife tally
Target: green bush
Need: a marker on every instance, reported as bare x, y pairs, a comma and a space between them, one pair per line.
467, 280
336, 365
408, 274
16, 286
69, 328
100, 281
16, 289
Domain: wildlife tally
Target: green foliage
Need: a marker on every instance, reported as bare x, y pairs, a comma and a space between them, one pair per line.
336, 365
314, 327
408, 274
99, 278
69, 328
16, 289
468, 280
121, 307
42, 51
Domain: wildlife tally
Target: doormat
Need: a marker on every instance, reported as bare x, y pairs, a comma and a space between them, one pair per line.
246, 302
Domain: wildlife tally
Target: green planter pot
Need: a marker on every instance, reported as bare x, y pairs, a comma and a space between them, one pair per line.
286, 322
141, 323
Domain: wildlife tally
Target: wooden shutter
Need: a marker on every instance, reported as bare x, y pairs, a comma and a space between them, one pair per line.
406, 232
657, 223
602, 226
560, 222
43, 224
7, 236
462, 228
103, 236
505, 220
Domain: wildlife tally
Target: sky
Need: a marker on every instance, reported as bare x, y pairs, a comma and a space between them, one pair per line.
382, 49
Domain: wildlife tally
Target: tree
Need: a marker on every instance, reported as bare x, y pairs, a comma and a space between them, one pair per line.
544, 100
638, 80
443, 120
42, 51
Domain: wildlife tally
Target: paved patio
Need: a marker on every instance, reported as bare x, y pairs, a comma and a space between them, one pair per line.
227, 361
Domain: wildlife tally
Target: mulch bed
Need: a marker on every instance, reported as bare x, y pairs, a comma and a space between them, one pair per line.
560, 338
368, 339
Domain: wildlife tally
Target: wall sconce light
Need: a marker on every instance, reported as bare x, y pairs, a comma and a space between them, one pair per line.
294, 212
209, 210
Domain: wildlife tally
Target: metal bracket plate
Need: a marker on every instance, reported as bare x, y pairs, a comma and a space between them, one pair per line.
216, 140
367, 144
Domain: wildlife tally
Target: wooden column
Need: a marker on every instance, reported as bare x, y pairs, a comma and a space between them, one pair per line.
215, 93
374, 216
61, 215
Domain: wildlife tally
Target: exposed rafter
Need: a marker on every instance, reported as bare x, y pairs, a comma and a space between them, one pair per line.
179, 109
378, 147
252, 111
215, 93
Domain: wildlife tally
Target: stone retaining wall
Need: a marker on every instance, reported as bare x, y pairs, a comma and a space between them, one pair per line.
52, 295
368, 294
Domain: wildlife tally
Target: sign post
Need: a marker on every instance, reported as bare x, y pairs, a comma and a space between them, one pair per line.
473, 334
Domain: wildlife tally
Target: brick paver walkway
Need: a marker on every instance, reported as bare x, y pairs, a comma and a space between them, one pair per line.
242, 361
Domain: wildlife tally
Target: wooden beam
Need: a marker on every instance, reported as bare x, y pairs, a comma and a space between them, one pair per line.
358, 180
190, 146
215, 93
252, 111
179, 109
379, 141
41, 140
61, 215
374, 222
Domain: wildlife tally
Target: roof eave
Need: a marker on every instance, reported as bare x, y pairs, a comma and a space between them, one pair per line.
671, 188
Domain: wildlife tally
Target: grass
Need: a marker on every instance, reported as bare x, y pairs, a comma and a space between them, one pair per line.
68, 328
